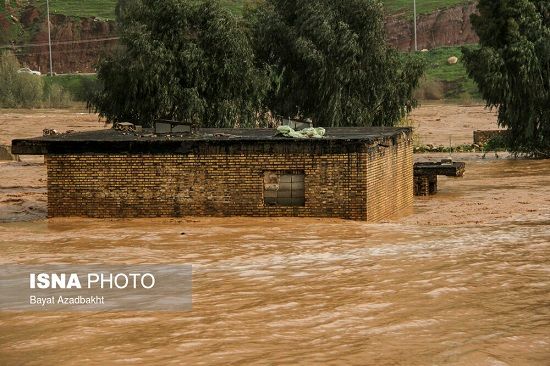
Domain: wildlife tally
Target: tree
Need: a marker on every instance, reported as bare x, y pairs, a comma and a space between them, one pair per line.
512, 69
329, 61
182, 60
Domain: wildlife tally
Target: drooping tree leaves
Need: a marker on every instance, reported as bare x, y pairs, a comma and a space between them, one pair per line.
329, 62
182, 60
512, 69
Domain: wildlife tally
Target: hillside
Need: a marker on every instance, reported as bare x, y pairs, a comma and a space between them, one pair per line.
84, 30
105, 9
445, 81
405, 7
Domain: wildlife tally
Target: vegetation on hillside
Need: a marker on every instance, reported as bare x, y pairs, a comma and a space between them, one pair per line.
105, 9
512, 69
442, 81
20, 89
17, 89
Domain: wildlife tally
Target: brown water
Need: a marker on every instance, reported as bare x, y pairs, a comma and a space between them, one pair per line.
303, 291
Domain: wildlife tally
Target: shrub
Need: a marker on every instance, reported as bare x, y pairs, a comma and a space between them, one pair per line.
29, 90
18, 89
57, 97
8, 75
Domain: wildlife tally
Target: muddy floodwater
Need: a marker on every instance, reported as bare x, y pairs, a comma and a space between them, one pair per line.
463, 280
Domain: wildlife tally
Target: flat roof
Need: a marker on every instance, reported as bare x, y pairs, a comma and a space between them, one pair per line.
145, 141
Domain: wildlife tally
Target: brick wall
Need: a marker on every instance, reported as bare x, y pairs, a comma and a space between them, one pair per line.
370, 184
389, 181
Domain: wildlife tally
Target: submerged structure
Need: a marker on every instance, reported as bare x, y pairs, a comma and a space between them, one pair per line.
425, 175
351, 173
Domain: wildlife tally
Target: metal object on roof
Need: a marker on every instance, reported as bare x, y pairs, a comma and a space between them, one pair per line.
167, 127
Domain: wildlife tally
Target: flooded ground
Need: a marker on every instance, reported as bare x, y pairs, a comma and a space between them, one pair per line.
24, 123
464, 280
445, 124
434, 122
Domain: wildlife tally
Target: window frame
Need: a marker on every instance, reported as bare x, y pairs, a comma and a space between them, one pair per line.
292, 193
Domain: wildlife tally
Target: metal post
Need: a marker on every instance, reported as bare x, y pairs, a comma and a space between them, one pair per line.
49, 35
415, 40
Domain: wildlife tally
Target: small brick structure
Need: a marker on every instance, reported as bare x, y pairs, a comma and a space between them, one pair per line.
425, 175
425, 185
352, 173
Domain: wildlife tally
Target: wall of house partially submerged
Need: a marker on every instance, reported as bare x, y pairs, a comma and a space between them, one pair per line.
358, 182
389, 177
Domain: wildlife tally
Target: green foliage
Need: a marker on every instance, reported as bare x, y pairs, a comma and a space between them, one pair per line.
496, 143
80, 86
8, 75
57, 97
23, 90
512, 69
29, 90
181, 60
329, 62
18, 89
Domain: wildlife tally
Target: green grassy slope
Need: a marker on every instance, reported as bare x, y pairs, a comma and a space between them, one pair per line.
422, 6
106, 8
454, 78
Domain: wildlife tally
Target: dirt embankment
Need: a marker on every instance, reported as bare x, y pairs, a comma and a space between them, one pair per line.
79, 42
444, 27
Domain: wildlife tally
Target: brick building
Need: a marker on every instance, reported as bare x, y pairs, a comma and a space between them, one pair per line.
351, 173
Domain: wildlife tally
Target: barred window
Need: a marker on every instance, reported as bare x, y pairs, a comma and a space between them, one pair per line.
284, 188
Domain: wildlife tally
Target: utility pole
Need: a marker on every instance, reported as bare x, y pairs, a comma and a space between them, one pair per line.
49, 35
415, 40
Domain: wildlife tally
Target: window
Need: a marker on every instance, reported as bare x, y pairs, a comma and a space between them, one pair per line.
284, 189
